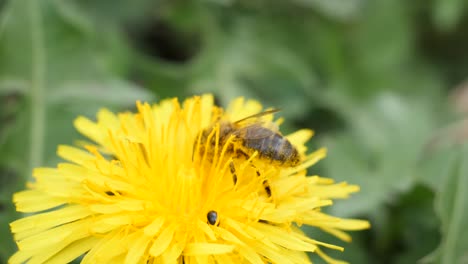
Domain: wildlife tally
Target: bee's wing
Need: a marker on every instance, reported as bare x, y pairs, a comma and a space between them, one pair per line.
255, 131
255, 118
254, 127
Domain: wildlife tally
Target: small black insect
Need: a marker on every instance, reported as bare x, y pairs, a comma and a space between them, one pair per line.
212, 217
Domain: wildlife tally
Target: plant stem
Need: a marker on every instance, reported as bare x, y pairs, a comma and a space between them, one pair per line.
455, 223
38, 74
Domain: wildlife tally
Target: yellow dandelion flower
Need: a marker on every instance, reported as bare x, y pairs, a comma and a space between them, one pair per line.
179, 183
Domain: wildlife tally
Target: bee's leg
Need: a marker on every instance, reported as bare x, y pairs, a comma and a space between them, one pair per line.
232, 168
265, 183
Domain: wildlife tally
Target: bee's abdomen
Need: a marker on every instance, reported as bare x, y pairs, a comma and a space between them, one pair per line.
274, 147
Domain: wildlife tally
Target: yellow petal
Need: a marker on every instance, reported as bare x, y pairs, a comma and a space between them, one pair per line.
228, 259
328, 259
34, 201
138, 243
338, 233
163, 241
67, 254
20, 257
193, 249
75, 155
56, 237
153, 228
206, 229
40, 222
173, 253
89, 129
108, 248
299, 138
285, 239
250, 255
107, 223
228, 236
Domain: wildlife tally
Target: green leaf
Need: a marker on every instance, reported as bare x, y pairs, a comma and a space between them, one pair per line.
7, 212
452, 207
381, 150
226, 59
447, 13
60, 67
249, 57
335, 9
413, 225
436, 164
7, 245
77, 76
11, 86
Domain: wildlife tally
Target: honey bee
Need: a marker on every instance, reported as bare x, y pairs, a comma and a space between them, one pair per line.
250, 135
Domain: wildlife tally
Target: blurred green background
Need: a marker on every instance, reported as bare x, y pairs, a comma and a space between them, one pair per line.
383, 83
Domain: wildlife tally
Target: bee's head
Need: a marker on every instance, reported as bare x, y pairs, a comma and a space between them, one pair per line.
209, 137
